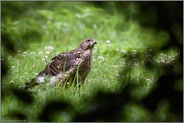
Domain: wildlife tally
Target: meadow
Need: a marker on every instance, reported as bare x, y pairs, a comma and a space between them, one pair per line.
124, 48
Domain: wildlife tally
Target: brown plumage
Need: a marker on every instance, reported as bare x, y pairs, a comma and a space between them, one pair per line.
67, 66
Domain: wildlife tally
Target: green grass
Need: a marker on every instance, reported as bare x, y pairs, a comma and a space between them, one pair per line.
64, 28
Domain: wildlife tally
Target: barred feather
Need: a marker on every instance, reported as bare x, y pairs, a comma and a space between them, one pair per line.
64, 66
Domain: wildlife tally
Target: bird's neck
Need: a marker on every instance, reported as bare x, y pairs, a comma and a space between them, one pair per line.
89, 52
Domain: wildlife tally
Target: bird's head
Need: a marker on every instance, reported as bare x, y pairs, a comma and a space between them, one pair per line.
88, 44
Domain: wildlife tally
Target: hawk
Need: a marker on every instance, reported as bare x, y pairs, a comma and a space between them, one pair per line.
73, 66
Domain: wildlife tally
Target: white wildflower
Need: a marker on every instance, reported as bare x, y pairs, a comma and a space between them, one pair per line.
158, 61
32, 53
24, 54
40, 52
163, 61
124, 63
47, 52
168, 63
134, 51
49, 48
161, 54
95, 49
136, 64
114, 66
101, 58
108, 42
9, 57
43, 59
117, 50
46, 57
123, 51
12, 81
18, 51
13, 67
172, 59
117, 74
133, 55
36, 73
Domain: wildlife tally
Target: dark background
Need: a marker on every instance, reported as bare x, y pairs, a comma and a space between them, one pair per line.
155, 15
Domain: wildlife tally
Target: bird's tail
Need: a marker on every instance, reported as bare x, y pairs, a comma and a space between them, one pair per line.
31, 83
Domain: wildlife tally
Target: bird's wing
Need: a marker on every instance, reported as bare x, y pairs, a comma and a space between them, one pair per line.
77, 63
60, 63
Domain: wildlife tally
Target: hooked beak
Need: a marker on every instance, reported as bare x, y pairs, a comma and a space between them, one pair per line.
94, 42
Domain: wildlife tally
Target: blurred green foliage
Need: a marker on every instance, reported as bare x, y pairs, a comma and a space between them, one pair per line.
137, 64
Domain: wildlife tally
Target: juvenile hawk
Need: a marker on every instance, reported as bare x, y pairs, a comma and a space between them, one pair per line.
67, 66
